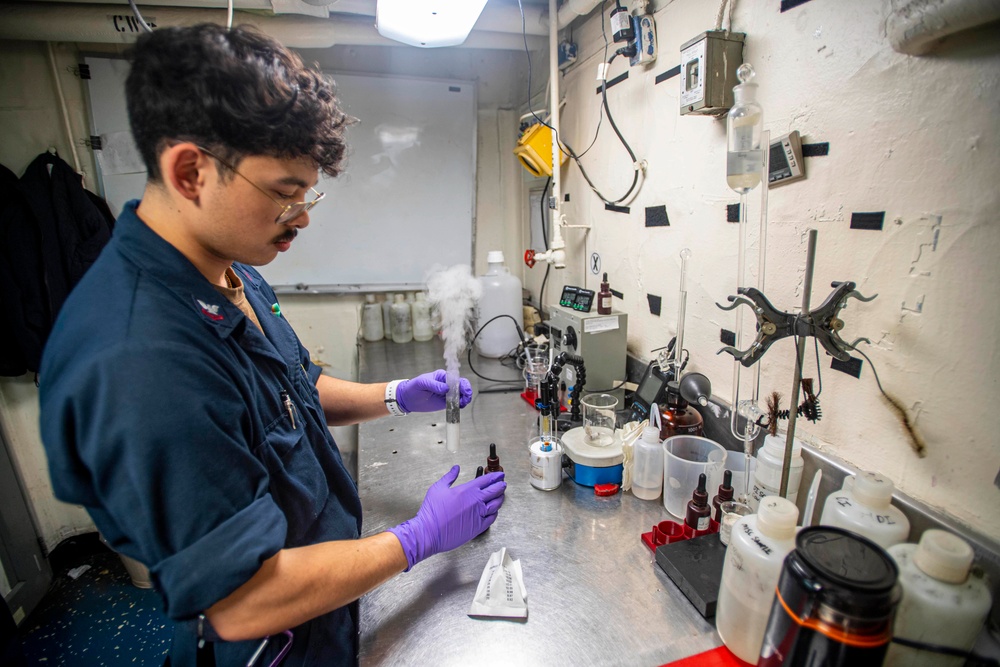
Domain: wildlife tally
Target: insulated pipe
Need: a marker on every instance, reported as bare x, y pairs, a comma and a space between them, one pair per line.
114, 24
574, 8
556, 248
917, 26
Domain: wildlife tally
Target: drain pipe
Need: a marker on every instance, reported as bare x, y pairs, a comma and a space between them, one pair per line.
916, 27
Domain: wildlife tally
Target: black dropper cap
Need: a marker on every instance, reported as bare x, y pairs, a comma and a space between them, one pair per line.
727, 480
479, 471
701, 494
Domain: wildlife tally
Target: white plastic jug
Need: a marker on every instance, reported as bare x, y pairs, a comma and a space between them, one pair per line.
942, 603
402, 320
371, 320
863, 506
767, 474
501, 296
757, 548
422, 328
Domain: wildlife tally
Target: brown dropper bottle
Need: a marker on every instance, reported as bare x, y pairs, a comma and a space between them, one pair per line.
604, 297
725, 493
698, 511
493, 461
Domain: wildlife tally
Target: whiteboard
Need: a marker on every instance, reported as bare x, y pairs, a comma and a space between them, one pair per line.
404, 202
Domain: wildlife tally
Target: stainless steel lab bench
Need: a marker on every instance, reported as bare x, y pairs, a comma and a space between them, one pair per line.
595, 593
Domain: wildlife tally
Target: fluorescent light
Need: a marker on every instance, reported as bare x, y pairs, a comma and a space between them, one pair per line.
427, 23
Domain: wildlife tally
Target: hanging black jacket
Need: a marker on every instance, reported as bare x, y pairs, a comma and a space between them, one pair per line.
51, 232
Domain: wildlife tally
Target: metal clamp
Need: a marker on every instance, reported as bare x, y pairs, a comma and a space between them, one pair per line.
823, 322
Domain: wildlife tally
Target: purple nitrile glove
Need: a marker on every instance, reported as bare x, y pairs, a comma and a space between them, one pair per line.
450, 515
427, 392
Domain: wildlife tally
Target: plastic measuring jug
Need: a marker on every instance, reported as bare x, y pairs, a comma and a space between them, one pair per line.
684, 458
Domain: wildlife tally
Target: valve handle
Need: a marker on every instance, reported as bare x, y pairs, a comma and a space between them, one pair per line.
529, 258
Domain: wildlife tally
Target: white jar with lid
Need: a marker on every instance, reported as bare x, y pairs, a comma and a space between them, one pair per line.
864, 506
371, 320
942, 603
501, 296
767, 474
757, 548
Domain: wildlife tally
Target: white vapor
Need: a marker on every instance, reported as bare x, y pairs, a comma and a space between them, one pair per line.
454, 292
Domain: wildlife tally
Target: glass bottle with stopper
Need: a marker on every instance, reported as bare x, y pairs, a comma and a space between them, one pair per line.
744, 126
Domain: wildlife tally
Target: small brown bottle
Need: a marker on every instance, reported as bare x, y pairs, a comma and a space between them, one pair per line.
725, 494
698, 511
493, 461
604, 298
677, 417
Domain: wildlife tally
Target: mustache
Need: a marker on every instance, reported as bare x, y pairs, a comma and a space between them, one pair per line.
288, 236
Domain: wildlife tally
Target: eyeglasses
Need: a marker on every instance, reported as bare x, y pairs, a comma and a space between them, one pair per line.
289, 212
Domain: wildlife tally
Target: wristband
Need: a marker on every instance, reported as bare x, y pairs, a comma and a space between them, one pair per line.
395, 409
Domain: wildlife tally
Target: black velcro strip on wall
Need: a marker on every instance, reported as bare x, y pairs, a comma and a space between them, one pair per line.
613, 82
791, 4
566, 197
669, 74
872, 221
727, 337
616, 209
816, 150
656, 216
654, 304
852, 367
733, 213
454, 89
616, 293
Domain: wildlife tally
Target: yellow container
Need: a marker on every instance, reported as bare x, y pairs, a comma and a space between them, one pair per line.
534, 150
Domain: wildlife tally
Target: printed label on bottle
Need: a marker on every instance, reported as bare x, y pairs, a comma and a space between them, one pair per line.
703, 523
605, 303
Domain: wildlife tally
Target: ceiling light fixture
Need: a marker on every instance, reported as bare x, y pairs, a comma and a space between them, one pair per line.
427, 23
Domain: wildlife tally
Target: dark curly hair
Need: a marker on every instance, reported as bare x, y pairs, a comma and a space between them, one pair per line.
236, 92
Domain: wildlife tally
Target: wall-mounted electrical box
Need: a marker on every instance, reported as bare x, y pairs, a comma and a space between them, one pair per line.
645, 40
708, 72
785, 163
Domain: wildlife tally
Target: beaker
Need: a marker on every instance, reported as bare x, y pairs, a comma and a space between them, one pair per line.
686, 457
536, 366
599, 419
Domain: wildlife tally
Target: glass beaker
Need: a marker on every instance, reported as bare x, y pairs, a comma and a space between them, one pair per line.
599, 419
536, 366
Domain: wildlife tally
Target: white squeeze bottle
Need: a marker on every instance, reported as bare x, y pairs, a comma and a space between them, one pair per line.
371, 320
422, 328
647, 461
942, 603
767, 473
863, 506
757, 549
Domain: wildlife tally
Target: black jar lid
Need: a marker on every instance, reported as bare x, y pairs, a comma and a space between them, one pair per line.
850, 573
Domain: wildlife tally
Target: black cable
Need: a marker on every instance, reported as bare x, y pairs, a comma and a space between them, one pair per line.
545, 238
973, 658
564, 147
520, 336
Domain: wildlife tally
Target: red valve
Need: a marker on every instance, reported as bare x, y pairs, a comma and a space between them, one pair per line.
529, 258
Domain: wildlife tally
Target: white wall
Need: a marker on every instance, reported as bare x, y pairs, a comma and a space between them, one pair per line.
914, 137
328, 325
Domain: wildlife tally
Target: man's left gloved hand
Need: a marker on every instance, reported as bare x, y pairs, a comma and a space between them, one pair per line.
426, 393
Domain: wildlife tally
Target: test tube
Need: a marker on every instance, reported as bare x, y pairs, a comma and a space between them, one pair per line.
452, 415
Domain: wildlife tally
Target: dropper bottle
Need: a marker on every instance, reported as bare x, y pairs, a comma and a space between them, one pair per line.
725, 493
698, 511
604, 297
493, 461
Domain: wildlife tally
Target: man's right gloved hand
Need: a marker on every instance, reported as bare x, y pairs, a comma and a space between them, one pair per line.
450, 515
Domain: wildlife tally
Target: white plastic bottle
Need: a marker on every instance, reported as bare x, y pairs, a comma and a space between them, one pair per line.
501, 296
402, 321
863, 506
767, 474
371, 320
942, 603
757, 548
422, 328
647, 464
387, 315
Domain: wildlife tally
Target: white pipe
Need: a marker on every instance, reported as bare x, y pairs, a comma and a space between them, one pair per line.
557, 252
917, 26
574, 8
114, 24
65, 113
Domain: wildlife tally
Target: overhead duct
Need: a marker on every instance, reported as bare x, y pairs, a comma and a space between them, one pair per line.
915, 27
114, 24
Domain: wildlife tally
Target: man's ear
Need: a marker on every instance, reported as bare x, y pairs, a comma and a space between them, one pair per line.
185, 168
